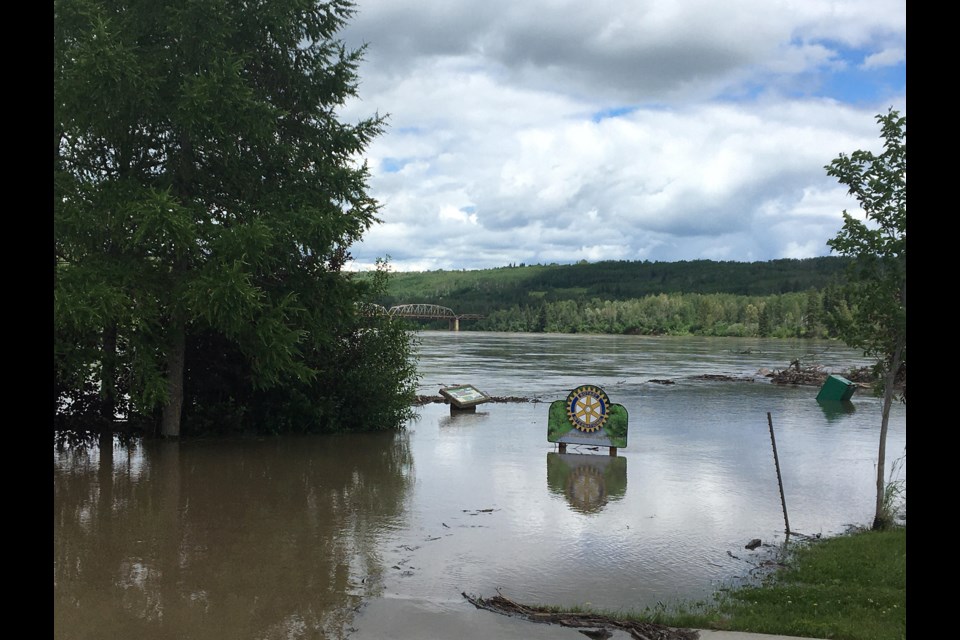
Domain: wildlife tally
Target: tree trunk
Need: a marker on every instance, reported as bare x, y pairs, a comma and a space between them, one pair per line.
170, 424
880, 518
108, 377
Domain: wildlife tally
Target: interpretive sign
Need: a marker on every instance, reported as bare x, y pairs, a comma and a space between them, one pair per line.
588, 417
464, 396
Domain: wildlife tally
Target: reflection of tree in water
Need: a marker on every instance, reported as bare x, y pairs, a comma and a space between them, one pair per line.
239, 539
587, 481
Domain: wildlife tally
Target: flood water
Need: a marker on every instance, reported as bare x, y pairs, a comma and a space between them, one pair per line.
379, 535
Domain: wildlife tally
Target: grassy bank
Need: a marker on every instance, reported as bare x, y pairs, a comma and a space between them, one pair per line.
850, 587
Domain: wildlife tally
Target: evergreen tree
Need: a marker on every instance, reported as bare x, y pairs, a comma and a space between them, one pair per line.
813, 315
541, 325
207, 194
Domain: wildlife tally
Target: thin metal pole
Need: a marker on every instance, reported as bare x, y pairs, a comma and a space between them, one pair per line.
776, 461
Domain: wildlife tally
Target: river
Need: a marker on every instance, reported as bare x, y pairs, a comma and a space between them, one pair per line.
379, 535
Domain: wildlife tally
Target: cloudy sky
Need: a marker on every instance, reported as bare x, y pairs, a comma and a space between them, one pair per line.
553, 131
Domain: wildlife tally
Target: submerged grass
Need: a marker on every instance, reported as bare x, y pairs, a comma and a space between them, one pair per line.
851, 587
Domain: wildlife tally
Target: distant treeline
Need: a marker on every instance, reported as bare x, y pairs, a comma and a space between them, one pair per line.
778, 298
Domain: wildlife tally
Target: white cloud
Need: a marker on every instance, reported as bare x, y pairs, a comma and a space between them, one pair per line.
457, 215
553, 131
885, 58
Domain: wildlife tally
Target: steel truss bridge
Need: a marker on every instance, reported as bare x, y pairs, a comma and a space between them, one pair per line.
432, 312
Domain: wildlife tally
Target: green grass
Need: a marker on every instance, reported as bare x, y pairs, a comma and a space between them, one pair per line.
851, 587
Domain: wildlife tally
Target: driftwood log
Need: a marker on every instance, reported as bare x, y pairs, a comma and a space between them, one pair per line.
422, 400
590, 624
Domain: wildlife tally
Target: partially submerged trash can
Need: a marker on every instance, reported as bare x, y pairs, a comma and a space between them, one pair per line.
836, 388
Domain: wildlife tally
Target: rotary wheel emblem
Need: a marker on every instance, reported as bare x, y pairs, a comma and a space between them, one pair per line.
588, 408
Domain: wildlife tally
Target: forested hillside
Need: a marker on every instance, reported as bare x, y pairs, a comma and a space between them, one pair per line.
484, 291
782, 298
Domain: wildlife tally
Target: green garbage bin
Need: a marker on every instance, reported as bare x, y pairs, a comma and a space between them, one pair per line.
836, 388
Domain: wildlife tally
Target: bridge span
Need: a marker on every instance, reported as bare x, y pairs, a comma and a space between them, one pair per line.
432, 312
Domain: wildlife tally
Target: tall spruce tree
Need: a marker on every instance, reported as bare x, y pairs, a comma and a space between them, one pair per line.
877, 322
206, 196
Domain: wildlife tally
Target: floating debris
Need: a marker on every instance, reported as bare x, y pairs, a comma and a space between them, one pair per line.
422, 400
722, 378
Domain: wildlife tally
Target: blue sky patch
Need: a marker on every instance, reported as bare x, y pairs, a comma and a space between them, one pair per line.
864, 86
846, 79
612, 112
393, 165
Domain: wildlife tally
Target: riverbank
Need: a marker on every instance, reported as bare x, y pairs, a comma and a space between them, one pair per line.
849, 587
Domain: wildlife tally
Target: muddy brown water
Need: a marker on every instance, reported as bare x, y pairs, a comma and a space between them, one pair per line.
379, 535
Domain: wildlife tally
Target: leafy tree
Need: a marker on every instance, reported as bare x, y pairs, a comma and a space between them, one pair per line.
877, 322
206, 196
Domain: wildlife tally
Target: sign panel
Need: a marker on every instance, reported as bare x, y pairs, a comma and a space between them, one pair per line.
587, 416
463, 396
